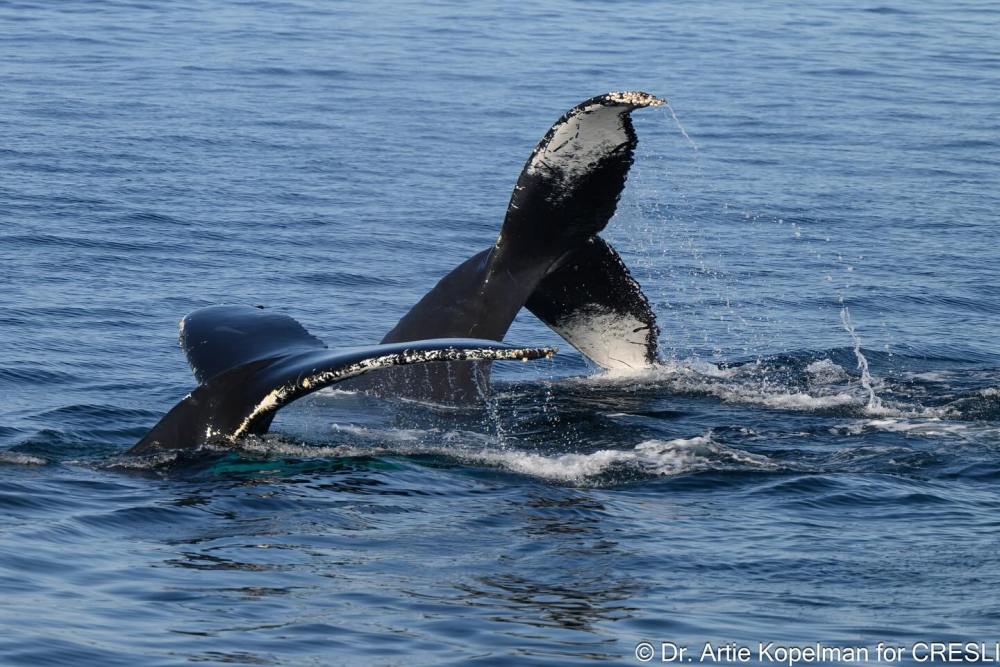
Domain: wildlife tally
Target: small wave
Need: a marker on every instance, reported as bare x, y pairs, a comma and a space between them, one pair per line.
34, 375
102, 243
89, 414
343, 279
884, 9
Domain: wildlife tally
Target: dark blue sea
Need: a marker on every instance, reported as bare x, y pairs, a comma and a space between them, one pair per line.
814, 218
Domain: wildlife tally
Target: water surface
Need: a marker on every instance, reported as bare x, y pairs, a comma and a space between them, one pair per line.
333, 160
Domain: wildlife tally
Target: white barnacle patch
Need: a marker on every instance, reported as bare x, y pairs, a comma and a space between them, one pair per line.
636, 98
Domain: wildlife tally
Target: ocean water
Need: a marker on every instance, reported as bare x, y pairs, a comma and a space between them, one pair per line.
816, 460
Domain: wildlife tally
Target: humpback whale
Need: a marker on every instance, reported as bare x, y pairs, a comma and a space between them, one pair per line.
548, 258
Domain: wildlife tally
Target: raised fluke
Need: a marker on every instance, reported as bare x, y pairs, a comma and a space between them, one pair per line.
548, 256
570, 185
333, 368
595, 130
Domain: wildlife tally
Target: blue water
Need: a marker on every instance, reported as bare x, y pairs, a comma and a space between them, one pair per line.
332, 160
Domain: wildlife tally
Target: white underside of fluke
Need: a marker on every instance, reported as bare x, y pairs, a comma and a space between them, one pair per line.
587, 135
610, 340
579, 142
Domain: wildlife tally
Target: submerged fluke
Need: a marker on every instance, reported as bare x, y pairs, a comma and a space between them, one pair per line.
251, 363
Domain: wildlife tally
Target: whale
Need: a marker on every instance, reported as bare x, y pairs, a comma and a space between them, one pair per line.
548, 259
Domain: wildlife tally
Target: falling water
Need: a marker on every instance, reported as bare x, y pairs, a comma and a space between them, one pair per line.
874, 402
680, 127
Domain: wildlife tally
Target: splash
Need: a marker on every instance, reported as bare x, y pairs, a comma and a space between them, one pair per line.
745, 384
874, 402
820, 386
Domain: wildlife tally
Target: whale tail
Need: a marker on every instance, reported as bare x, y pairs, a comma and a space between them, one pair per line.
250, 363
548, 257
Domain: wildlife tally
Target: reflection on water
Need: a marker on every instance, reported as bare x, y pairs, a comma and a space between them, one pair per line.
581, 585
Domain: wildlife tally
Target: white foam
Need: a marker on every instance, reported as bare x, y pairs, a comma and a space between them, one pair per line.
825, 371
750, 384
564, 467
931, 376
801, 401
728, 385
384, 442
611, 340
273, 447
927, 427
147, 462
17, 458
655, 457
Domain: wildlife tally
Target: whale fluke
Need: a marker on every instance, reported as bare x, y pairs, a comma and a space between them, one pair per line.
570, 185
565, 195
592, 301
251, 363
